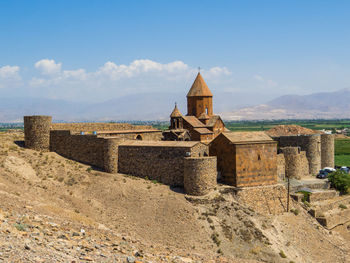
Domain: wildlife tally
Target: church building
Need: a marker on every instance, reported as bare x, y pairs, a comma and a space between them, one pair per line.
200, 124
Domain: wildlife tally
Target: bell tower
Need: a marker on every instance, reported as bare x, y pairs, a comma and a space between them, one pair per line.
176, 119
199, 98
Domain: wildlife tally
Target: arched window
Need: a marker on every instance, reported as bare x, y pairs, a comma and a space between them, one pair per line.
139, 137
206, 110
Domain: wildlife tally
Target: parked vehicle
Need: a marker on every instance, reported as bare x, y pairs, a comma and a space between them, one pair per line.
345, 169
323, 173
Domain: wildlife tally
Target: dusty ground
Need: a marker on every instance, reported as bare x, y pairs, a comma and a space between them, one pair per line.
56, 210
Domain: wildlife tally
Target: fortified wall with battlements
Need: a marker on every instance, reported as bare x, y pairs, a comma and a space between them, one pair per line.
318, 148
195, 152
125, 148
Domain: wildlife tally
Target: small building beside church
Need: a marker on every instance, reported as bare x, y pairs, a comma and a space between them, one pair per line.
245, 158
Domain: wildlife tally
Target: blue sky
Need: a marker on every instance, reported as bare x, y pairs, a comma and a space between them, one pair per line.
61, 49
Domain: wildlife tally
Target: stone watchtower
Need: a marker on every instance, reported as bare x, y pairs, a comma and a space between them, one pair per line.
37, 132
199, 98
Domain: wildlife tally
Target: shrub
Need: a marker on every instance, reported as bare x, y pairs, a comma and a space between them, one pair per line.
21, 227
215, 238
342, 206
306, 196
295, 211
282, 255
340, 181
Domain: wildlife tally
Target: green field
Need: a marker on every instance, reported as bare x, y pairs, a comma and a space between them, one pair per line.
342, 152
265, 125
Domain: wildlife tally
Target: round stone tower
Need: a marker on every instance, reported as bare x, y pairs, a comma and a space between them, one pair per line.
111, 156
327, 150
312, 144
292, 163
37, 132
199, 175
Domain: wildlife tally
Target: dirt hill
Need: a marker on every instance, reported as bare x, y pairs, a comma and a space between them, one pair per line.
286, 130
57, 210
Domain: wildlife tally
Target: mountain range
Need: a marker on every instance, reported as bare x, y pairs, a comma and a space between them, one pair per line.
158, 106
322, 105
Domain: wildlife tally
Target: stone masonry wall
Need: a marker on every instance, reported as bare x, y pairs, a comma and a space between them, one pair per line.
110, 155
83, 148
256, 164
281, 167
199, 175
304, 164
311, 144
266, 200
37, 132
292, 161
96, 126
98, 151
135, 135
296, 163
164, 164
327, 150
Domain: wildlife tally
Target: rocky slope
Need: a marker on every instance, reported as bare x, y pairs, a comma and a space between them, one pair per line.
57, 210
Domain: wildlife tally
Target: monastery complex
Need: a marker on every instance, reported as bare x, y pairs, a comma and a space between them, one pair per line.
196, 153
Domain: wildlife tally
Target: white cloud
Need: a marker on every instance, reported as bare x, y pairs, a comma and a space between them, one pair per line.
114, 80
48, 66
258, 78
137, 67
218, 71
266, 82
9, 77
9, 72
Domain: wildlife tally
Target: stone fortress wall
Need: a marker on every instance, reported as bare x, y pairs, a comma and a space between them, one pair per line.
281, 167
100, 149
311, 144
296, 163
37, 132
97, 126
163, 162
200, 175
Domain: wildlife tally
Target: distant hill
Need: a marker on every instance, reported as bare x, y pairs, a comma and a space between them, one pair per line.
323, 105
147, 106
158, 106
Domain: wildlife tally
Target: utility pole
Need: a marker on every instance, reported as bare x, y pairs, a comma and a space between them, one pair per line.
288, 184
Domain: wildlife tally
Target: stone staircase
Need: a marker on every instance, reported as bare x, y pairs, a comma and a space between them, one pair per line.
332, 212
323, 203
317, 184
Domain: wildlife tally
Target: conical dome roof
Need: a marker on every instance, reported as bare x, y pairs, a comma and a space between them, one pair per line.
199, 88
176, 112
